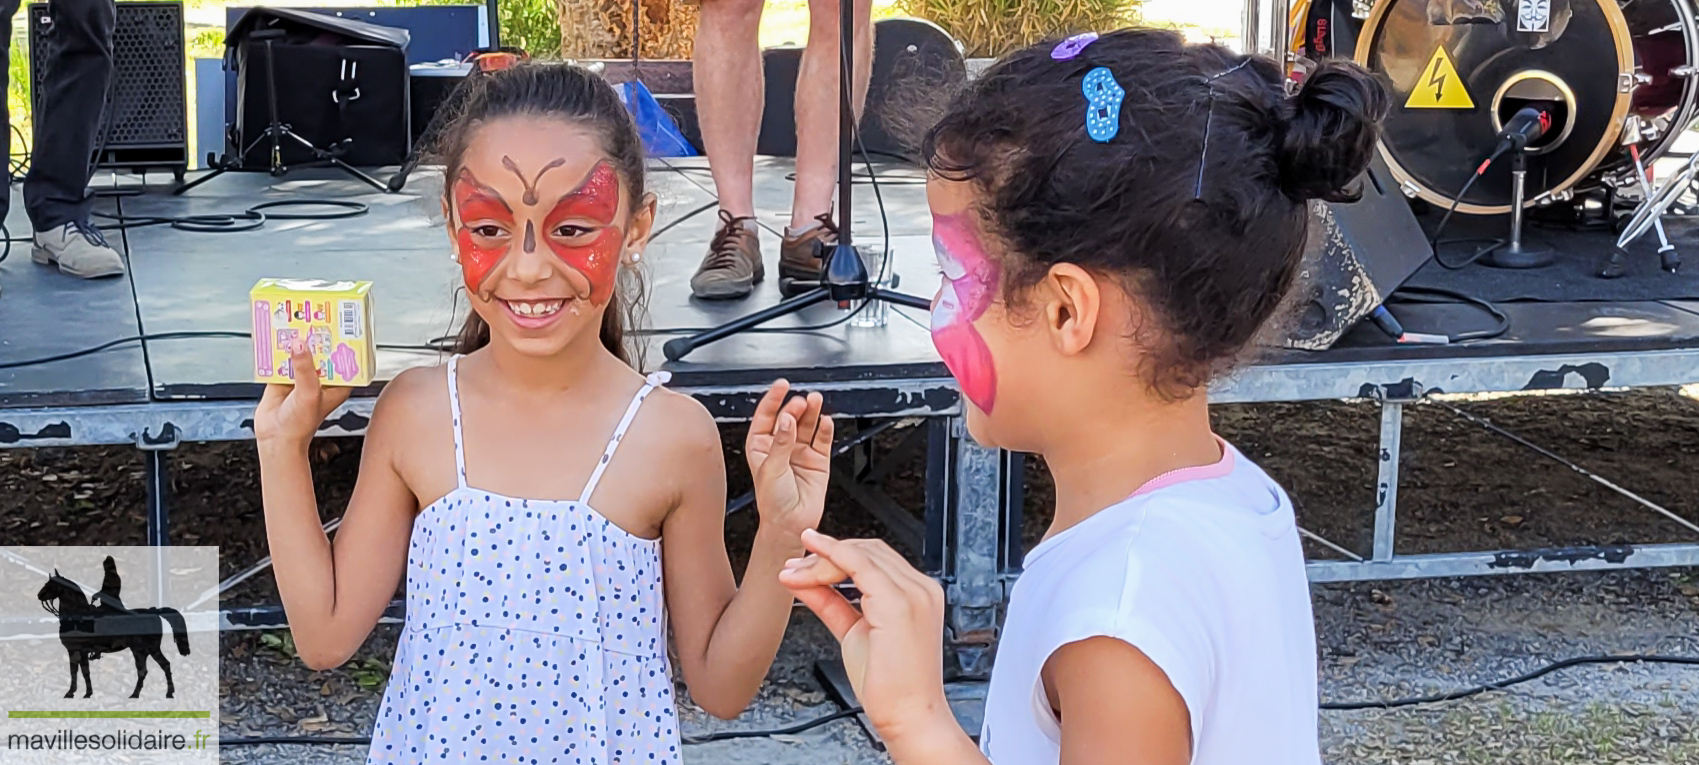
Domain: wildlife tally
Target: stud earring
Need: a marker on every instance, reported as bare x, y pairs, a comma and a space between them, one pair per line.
636, 256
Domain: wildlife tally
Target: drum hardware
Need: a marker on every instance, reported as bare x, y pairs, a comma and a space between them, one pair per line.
1613, 59
1650, 213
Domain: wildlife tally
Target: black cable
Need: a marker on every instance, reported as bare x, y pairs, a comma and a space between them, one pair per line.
143, 338
728, 735
1337, 706
330, 740
1435, 295
725, 735
687, 216
1502, 684
246, 220
1434, 242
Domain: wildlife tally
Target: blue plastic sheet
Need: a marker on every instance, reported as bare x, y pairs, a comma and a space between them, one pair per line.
661, 136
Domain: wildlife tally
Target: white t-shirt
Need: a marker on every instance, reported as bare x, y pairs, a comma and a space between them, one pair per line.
1201, 570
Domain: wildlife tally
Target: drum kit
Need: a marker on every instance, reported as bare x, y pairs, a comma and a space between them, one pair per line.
1618, 81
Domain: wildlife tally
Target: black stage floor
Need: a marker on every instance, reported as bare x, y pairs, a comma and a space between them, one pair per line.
186, 281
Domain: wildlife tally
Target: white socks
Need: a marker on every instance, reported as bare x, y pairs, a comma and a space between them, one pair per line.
792, 233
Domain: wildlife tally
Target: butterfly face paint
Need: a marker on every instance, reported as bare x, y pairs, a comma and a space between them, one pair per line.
596, 200
577, 228
478, 204
970, 284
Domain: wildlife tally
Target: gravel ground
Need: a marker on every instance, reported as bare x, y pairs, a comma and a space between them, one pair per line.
1465, 489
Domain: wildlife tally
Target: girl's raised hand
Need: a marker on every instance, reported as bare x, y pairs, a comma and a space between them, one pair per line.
790, 457
292, 414
892, 646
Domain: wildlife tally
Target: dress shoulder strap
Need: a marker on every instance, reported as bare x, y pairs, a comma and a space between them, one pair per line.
454, 412
655, 380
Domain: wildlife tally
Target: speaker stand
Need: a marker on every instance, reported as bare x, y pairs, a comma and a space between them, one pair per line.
276, 134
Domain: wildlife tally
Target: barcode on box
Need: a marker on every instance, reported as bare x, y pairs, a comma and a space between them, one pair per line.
353, 320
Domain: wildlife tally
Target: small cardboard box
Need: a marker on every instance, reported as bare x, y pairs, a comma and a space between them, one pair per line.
333, 318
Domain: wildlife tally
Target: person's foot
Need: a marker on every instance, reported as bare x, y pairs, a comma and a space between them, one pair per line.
78, 249
798, 258
733, 265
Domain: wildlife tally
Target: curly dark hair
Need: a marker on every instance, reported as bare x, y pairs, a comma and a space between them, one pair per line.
552, 90
1208, 242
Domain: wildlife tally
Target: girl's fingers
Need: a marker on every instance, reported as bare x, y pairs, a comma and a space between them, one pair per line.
823, 435
830, 605
871, 576
767, 411
779, 453
809, 419
812, 571
306, 373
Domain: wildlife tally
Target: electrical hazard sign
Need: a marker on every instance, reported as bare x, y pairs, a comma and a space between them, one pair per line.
1439, 87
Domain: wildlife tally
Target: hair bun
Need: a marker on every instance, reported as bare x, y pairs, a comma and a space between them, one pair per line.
1332, 131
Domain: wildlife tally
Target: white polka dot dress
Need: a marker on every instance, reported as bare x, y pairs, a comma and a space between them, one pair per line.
535, 633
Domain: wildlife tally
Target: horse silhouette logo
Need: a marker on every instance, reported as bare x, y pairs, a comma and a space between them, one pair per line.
89, 631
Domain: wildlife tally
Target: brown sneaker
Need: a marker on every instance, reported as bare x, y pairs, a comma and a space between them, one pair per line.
797, 257
733, 265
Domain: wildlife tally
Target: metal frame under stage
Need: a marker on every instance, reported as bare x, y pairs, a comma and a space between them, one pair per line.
964, 481
972, 531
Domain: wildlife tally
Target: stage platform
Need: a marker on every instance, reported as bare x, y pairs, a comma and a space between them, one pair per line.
161, 392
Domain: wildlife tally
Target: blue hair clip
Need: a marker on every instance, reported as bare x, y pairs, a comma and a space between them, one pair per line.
1103, 97
1072, 46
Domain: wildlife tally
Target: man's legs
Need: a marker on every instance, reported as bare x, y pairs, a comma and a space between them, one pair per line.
817, 112
67, 126
729, 90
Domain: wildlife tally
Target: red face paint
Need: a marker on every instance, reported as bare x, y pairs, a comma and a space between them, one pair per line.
970, 286
592, 205
479, 203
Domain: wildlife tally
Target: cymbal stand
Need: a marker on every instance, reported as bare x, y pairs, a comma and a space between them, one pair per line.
1650, 214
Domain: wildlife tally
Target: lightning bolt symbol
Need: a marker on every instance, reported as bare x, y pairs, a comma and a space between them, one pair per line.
1437, 79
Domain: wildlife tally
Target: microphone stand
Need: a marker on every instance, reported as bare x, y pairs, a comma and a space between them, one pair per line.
843, 276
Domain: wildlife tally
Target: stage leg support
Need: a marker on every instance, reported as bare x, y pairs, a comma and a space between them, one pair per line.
157, 473
974, 584
1386, 483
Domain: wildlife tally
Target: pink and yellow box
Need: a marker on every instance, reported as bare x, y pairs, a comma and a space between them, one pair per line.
333, 318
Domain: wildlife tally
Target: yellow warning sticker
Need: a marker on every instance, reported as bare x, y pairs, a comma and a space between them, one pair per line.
1439, 87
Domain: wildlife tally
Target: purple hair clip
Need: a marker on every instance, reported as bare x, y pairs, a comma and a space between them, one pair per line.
1072, 46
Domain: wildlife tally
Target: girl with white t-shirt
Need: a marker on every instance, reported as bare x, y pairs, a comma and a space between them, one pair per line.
1115, 218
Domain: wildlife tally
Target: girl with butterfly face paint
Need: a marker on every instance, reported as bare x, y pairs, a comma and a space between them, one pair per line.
1115, 217
523, 488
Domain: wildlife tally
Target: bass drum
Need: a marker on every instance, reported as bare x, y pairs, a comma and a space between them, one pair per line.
1458, 69
1325, 29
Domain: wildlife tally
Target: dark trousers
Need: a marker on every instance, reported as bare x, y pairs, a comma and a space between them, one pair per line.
74, 87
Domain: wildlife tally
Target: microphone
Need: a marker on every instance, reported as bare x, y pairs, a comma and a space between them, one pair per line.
1523, 128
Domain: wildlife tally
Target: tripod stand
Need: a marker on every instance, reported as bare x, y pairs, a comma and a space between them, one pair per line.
276, 133
843, 276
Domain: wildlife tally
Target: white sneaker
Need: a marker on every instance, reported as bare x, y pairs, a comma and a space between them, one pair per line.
78, 249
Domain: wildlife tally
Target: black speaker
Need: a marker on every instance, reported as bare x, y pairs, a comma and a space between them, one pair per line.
340, 84
913, 60
147, 117
1357, 254
780, 66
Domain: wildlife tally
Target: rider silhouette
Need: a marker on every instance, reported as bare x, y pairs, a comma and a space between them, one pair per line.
107, 598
